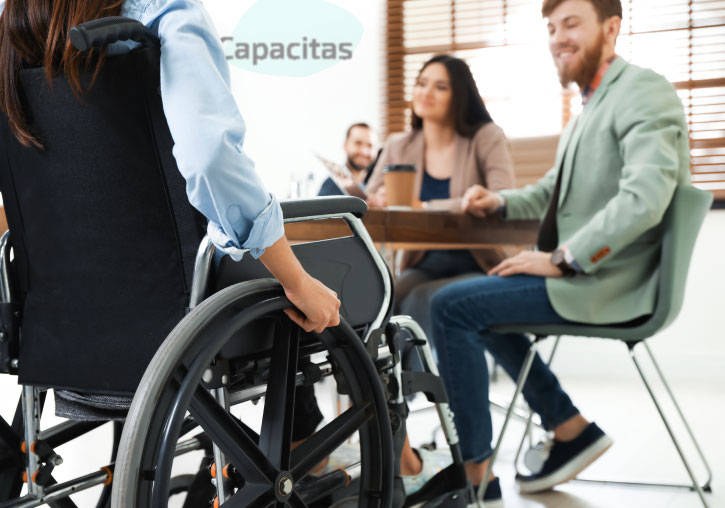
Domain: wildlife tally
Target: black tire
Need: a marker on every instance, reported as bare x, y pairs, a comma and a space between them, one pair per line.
172, 385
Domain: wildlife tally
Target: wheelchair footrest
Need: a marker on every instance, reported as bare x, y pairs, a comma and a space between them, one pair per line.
449, 488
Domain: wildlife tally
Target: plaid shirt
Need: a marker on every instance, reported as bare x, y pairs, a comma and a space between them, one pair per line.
592, 87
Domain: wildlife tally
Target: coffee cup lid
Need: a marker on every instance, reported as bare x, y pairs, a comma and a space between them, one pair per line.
399, 167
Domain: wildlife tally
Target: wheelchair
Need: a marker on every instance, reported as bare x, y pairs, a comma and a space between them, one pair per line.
111, 297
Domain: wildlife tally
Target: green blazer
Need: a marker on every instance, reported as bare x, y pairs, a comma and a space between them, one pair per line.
622, 159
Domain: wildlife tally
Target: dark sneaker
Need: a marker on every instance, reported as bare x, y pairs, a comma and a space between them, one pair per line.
566, 460
492, 498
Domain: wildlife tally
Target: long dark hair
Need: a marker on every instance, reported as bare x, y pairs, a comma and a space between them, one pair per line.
469, 111
34, 33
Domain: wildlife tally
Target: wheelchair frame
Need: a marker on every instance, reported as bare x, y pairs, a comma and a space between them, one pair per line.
32, 397
199, 289
66, 431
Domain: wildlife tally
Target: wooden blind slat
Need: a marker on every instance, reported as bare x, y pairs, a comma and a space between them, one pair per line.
681, 39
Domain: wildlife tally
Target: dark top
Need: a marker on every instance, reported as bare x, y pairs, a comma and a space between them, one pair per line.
443, 263
434, 188
330, 188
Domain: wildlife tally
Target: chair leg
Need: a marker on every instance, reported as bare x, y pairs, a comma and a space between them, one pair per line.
706, 486
529, 421
494, 371
521, 381
696, 486
519, 414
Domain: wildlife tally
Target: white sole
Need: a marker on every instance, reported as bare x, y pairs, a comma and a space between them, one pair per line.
487, 504
570, 470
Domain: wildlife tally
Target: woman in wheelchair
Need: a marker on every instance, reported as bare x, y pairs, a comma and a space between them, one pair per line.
220, 179
111, 147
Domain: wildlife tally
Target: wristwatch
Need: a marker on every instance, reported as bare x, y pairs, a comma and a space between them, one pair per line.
559, 260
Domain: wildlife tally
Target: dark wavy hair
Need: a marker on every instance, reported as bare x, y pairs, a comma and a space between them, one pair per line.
34, 33
469, 111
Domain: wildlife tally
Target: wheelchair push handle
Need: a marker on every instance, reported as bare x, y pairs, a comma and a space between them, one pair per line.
100, 32
323, 206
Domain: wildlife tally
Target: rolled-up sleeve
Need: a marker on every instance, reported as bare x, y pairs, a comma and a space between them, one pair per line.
208, 130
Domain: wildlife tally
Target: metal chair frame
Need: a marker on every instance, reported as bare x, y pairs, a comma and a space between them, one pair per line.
521, 381
681, 224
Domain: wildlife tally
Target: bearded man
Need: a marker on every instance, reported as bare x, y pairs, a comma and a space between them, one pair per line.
359, 153
601, 205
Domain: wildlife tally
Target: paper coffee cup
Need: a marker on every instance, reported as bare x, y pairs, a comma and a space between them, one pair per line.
399, 181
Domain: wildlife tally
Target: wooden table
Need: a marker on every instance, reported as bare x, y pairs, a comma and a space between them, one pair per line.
424, 229
415, 229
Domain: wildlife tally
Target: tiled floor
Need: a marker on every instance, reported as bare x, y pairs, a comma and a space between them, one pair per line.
605, 387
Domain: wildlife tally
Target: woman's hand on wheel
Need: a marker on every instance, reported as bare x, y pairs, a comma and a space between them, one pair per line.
316, 305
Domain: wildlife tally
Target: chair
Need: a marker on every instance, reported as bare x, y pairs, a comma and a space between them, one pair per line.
681, 225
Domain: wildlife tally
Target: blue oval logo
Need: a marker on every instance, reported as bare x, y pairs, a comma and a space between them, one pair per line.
293, 37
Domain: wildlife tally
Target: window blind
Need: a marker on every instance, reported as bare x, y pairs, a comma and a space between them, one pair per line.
685, 41
682, 39
419, 29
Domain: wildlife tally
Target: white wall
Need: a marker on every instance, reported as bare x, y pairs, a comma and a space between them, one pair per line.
290, 118
287, 119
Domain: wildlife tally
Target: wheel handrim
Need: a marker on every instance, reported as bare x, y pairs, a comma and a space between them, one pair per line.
272, 465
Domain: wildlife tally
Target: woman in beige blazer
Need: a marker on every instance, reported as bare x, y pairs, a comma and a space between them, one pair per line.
454, 145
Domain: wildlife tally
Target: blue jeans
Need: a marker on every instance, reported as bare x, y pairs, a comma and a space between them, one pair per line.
462, 314
415, 287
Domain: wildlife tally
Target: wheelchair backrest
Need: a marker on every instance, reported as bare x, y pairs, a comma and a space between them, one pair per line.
103, 235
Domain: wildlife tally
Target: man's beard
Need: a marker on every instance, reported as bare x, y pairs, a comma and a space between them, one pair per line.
353, 165
583, 72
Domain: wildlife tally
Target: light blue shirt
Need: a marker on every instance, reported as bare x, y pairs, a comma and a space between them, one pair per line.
207, 127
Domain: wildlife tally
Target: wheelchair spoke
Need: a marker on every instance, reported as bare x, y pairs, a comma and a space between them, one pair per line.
326, 440
226, 432
257, 495
276, 435
296, 501
253, 494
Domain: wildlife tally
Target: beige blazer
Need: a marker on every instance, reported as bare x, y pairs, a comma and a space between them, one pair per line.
484, 159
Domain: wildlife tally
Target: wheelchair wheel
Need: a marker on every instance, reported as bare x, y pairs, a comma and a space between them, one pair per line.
172, 396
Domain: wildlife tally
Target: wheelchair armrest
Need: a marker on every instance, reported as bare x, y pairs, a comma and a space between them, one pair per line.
103, 31
324, 205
